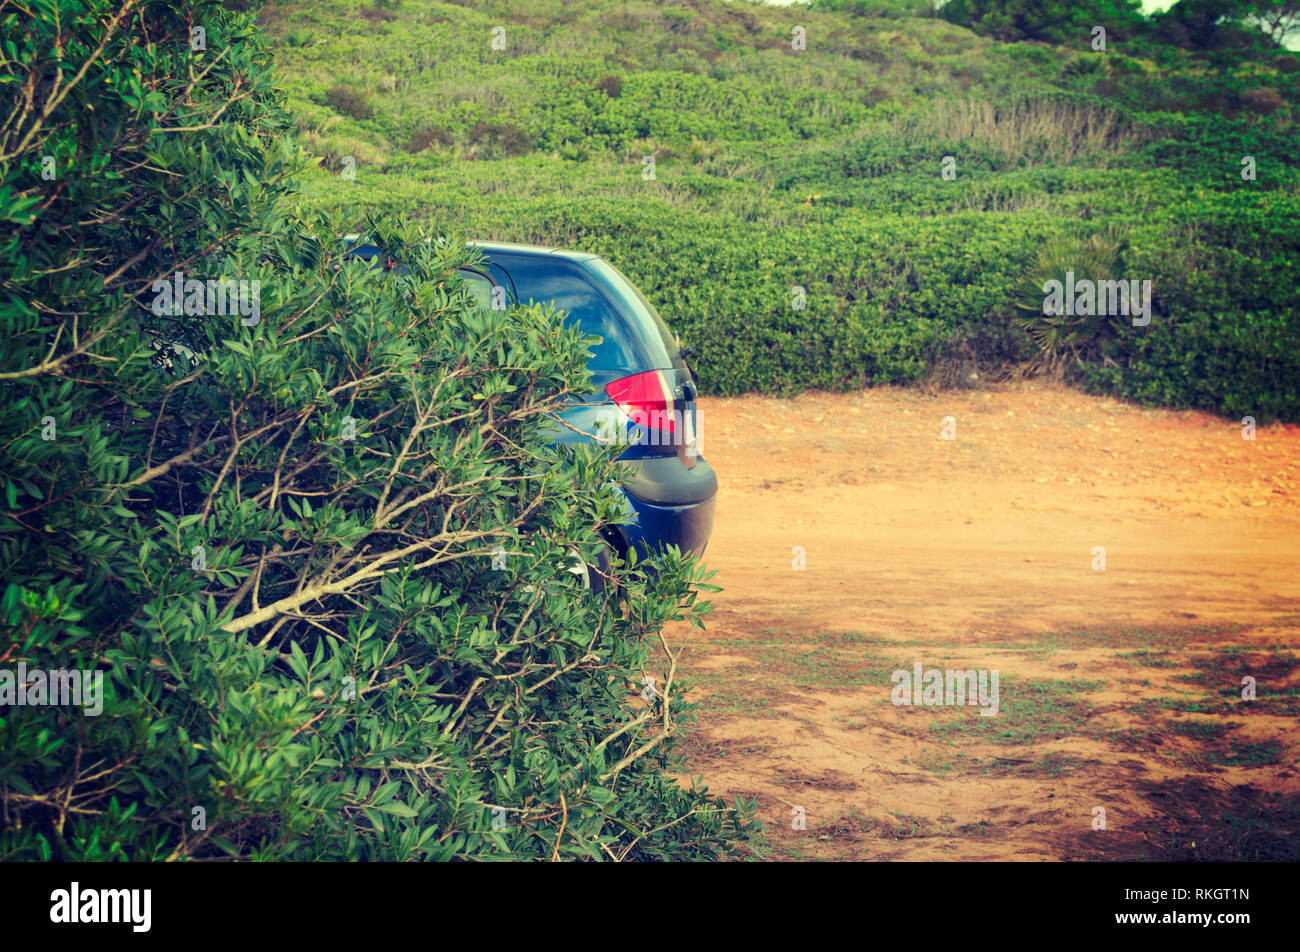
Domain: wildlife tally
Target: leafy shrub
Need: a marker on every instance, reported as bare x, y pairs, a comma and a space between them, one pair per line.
1263, 101
1050, 20
351, 102
496, 139
426, 137
274, 531
611, 86
875, 8
1210, 148
1227, 337
377, 14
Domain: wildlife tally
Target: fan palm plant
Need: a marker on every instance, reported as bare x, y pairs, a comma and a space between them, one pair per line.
1061, 337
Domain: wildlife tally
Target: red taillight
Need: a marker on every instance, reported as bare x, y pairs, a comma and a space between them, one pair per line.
646, 399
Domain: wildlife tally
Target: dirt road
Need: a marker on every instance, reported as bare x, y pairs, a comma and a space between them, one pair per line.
1121, 731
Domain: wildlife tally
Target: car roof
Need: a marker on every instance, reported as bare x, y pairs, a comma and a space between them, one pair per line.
490, 248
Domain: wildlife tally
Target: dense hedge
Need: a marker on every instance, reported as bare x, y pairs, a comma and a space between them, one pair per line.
821, 169
319, 549
893, 298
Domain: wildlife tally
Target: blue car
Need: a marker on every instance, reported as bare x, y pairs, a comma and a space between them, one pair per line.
645, 393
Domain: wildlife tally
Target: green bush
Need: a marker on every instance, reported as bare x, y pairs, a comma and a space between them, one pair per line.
498, 138
350, 102
1225, 333
320, 548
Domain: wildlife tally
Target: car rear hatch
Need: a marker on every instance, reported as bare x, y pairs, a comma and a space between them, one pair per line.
646, 397
657, 403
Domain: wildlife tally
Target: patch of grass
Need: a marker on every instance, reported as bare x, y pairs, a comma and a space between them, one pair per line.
1224, 673
1143, 739
834, 661
1050, 765
1255, 755
1046, 644
825, 670
1142, 639
1030, 711
1283, 621
1204, 731
944, 762
735, 699
826, 638
1251, 755
1190, 704
1150, 659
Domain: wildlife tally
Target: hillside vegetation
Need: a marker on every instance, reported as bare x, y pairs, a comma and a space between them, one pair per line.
799, 229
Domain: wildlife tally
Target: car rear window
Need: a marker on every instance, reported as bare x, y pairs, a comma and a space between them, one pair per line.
568, 288
633, 302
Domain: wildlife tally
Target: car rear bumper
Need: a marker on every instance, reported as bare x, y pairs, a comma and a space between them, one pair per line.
653, 527
672, 504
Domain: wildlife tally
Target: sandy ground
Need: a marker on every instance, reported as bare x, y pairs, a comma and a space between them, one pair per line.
1120, 689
